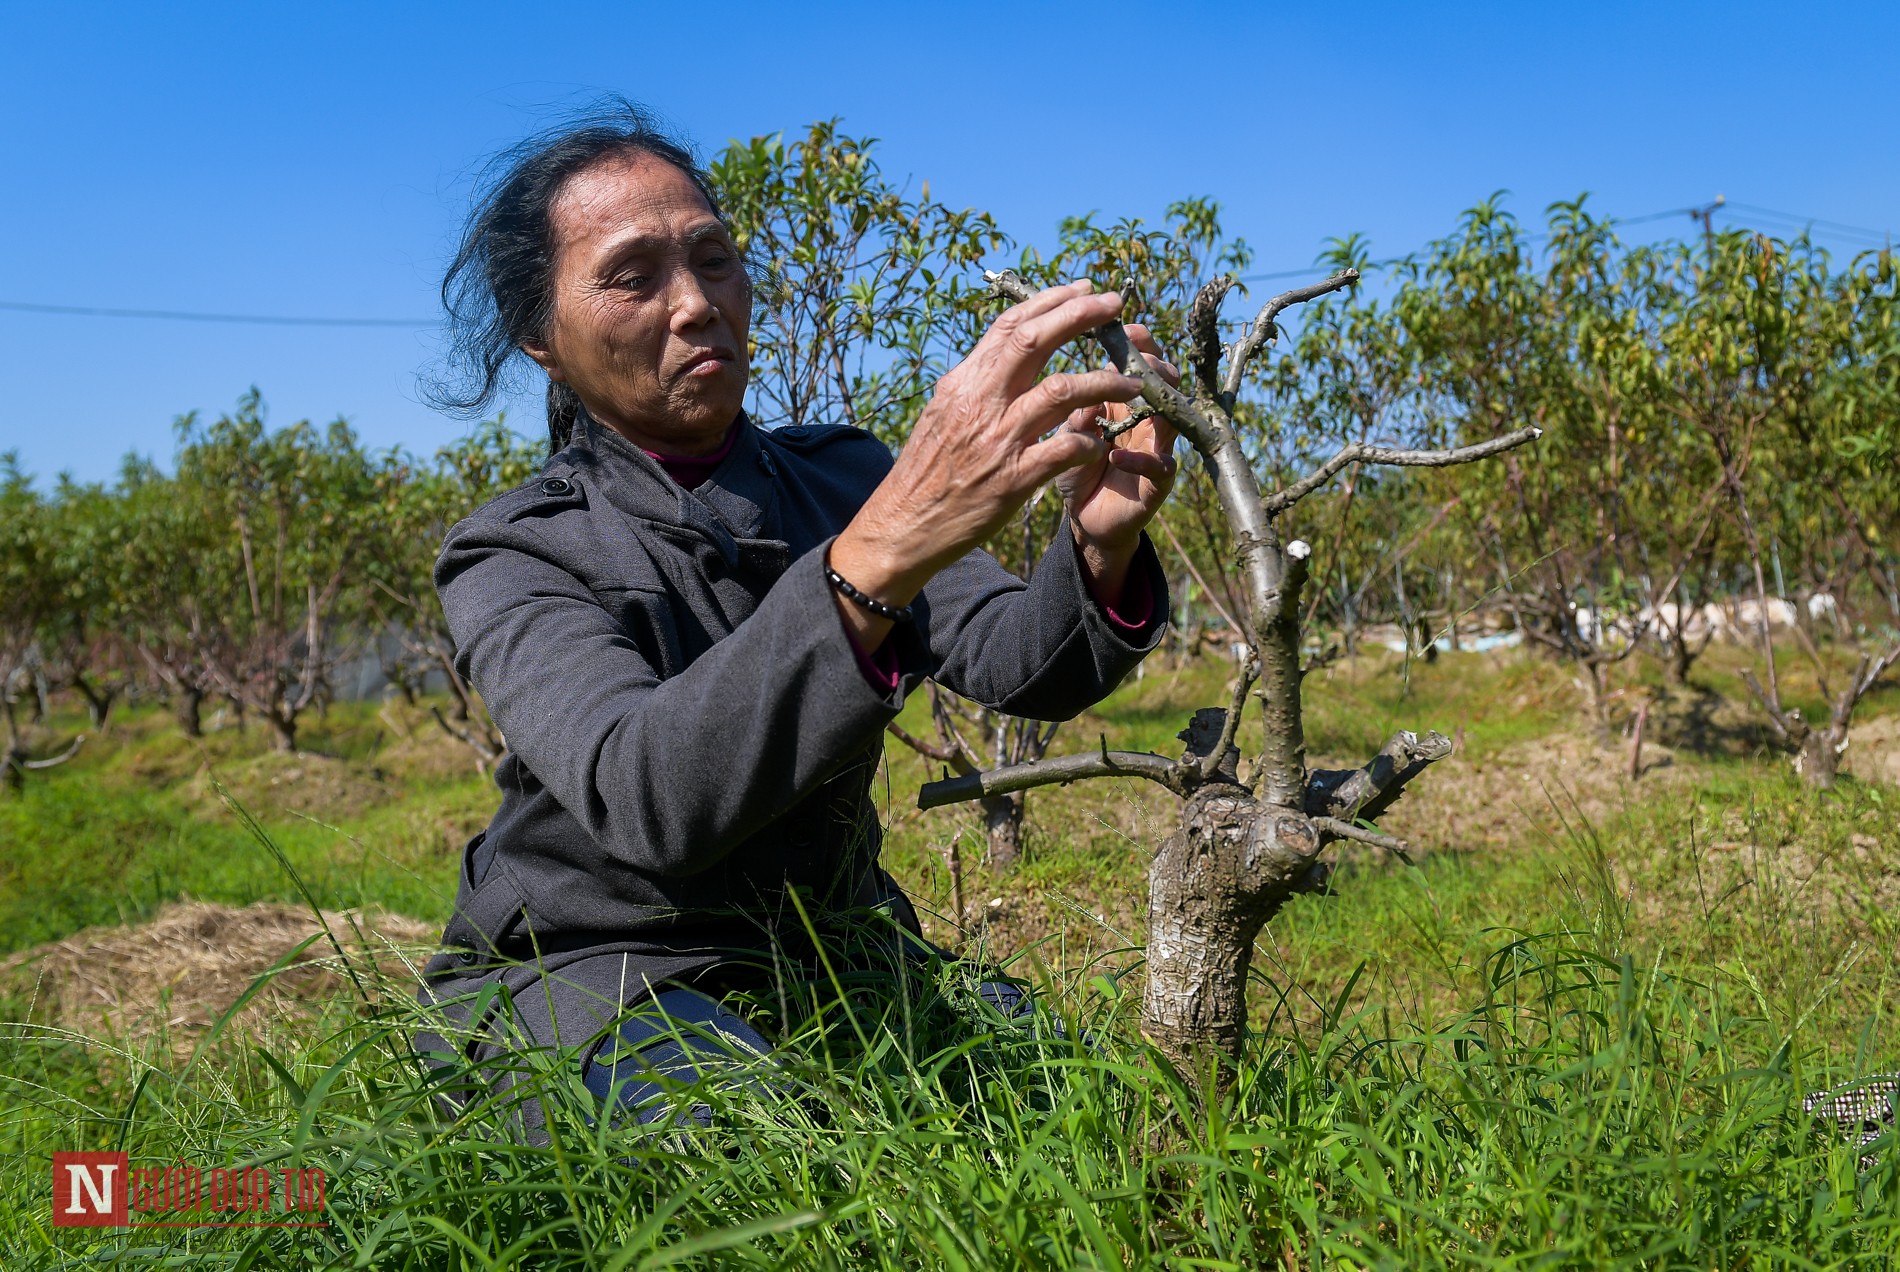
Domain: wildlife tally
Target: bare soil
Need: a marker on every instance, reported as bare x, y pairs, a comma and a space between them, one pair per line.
1528, 794
1873, 750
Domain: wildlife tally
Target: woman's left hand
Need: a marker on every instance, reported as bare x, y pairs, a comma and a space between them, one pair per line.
1111, 500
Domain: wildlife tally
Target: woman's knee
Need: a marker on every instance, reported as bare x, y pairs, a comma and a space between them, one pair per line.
673, 1039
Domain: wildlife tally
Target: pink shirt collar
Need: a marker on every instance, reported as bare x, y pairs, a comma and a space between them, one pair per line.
690, 471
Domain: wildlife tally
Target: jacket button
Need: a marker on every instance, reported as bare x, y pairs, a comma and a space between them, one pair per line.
792, 430
557, 486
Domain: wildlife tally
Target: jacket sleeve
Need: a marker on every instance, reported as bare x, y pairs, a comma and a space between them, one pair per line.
1042, 649
669, 775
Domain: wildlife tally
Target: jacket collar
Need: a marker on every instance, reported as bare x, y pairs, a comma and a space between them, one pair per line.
735, 502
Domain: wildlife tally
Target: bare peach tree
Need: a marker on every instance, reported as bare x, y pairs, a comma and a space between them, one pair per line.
1245, 844
1004, 741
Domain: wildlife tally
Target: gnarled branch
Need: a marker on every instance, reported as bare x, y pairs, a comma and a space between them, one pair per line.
1367, 791
1361, 453
1204, 332
1054, 772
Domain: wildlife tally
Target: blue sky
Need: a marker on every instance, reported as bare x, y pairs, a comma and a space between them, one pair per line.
315, 160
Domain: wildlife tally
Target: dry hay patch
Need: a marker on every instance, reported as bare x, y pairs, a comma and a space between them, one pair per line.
1525, 793
177, 974
321, 786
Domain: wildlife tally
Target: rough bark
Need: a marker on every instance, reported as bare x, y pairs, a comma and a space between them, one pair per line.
1228, 868
1819, 760
1003, 823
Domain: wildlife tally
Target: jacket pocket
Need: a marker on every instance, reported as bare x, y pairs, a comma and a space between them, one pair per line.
486, 914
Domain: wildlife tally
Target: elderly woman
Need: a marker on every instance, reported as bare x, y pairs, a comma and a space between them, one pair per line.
692, 631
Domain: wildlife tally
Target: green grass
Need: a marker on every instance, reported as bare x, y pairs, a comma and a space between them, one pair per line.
136, 822
1583, 1049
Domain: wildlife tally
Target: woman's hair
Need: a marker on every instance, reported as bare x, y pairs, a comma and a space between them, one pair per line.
499, 288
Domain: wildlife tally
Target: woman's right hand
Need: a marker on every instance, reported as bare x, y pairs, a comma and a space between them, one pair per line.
978, 451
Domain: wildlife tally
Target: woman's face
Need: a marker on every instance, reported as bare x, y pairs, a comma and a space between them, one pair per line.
651, 306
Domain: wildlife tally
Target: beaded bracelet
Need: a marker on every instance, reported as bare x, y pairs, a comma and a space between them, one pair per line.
896, 613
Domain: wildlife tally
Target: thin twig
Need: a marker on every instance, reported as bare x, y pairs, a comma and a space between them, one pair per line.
1243, 681
1359, 834
1213, 597
942, 754
1262, 330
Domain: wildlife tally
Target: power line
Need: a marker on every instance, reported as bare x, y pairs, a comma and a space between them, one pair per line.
1529, 238
281, 320
1839, 227
179, 315
1722, 204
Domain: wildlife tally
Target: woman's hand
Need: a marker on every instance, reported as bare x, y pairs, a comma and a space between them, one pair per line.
978, 452
1111, 499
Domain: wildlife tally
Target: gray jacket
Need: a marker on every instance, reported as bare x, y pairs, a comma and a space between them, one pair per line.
690, 736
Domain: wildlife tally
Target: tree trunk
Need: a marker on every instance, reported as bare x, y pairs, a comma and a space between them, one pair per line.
98, 701
1819, 759
1003, 822
1227, 869
187, 705
1595, 683
283, 731
13, 758
1680, 660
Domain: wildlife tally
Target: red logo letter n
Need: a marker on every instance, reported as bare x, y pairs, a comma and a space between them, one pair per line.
89, 1190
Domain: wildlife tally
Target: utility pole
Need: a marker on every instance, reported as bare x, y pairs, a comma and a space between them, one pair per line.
1706, 215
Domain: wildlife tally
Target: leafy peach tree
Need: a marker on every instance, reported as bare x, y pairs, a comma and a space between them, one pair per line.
1248, 840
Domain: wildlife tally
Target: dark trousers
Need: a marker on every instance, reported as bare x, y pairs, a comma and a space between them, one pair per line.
678, 1036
